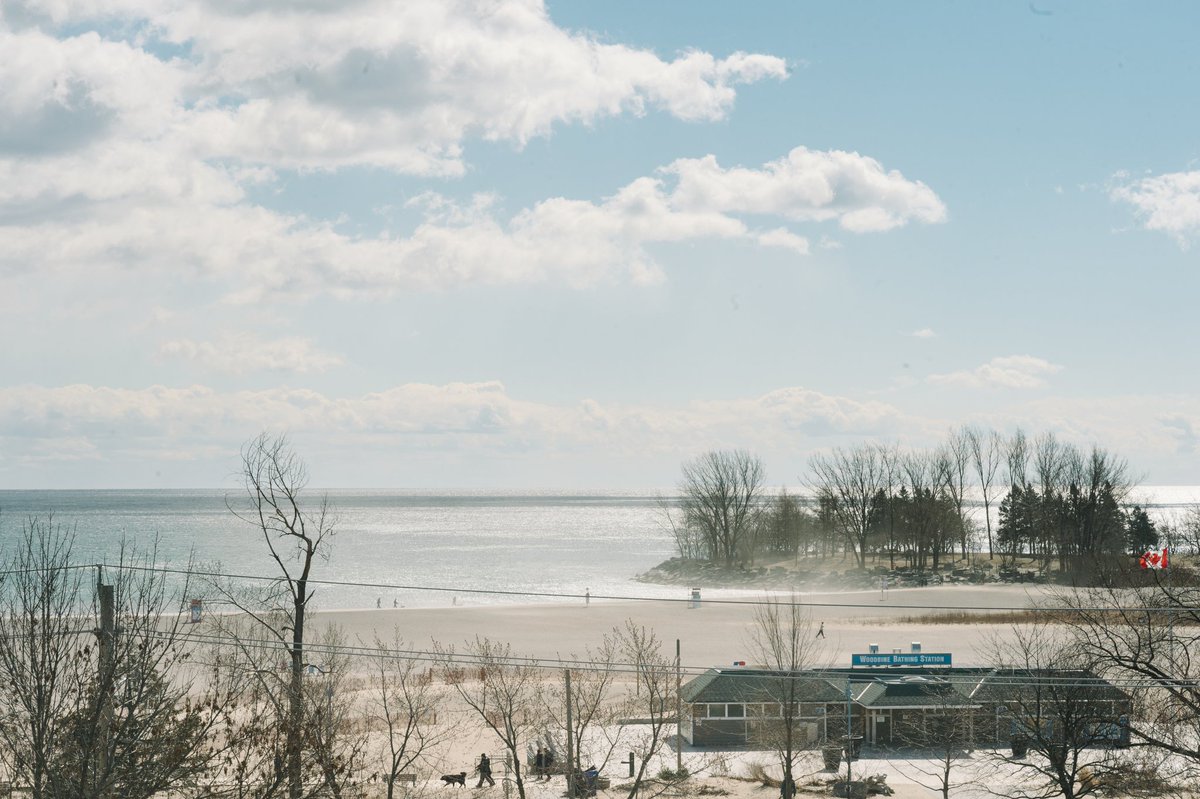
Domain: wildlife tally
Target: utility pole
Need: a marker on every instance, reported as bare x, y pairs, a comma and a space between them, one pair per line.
107, 634
678, 713
570, 741
849, 740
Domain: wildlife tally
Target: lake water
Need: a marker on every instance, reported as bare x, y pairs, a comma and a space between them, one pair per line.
543, 542
451, 541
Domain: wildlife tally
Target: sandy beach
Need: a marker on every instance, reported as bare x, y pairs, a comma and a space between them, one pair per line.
714, 634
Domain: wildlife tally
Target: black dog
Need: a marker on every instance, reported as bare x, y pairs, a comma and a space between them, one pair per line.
459, 779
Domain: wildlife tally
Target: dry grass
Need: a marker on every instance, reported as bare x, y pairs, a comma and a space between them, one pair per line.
1035, 615
756, 771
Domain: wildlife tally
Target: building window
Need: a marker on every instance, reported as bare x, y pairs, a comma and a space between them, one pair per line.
735, 711
716, 711
767, 710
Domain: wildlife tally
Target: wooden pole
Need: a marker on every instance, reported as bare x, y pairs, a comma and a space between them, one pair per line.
106, 634
678, 714
570, 740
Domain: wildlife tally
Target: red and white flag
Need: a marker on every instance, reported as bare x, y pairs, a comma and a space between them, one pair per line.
1154, 559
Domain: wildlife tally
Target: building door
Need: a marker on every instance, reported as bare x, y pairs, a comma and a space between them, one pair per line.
881, 730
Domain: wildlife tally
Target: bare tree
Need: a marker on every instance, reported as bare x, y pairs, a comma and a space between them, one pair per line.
720, 493
254, 767
274, 478
850, 480
782, 639
505, 695
890, 464
1055, 702
944, 730
654, 699
986, 449
954, 458
41, 619
1016, 458
673, 520
333, 729
404, 703
592, 711
126, 718
1144, 629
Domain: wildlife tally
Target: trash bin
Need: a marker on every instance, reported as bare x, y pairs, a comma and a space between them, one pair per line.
1020, 746
832, 755
853, 747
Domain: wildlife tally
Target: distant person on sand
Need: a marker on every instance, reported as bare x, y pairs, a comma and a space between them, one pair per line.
395, 603
821, 631
485, 771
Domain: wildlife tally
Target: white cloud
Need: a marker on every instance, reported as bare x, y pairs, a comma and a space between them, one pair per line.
481, 417
924, 332
44, 428
58, 95
808, 185
398, 85
1013, 371
1170, 202
196, 220
785, 239
244, 354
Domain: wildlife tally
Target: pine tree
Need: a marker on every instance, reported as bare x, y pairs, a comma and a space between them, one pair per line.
1140, 533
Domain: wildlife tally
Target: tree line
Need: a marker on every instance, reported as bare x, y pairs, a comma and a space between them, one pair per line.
977, 491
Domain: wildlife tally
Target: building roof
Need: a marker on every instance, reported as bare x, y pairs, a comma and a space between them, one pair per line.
762, 685
1024, 685
909, 687
917, 691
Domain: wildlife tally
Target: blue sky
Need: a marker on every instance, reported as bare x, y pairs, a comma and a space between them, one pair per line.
507, 244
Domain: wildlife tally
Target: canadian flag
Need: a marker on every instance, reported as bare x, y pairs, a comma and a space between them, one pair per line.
1154, 559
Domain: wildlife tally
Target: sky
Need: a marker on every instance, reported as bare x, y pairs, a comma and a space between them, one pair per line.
519, 244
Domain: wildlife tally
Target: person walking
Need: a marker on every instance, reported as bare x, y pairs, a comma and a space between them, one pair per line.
485, 771
820, 631
539, 764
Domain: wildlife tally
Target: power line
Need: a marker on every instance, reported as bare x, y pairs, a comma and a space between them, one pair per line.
991, 674
1033, 609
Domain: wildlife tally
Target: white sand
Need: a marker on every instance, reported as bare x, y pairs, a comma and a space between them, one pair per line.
714, 634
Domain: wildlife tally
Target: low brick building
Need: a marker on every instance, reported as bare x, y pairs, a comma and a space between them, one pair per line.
897, 706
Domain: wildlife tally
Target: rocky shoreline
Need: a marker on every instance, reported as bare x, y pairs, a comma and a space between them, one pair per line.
705, 574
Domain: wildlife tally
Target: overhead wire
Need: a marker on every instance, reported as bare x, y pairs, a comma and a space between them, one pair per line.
640, 598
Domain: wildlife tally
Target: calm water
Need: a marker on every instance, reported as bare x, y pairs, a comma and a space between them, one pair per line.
543, 542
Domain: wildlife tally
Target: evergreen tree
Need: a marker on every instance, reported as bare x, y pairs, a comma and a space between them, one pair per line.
1140, 532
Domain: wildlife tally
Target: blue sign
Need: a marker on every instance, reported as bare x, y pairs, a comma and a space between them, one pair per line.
905, 659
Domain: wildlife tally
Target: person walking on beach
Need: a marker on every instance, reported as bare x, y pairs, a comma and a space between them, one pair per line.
485, 771
820, 631
378, 602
